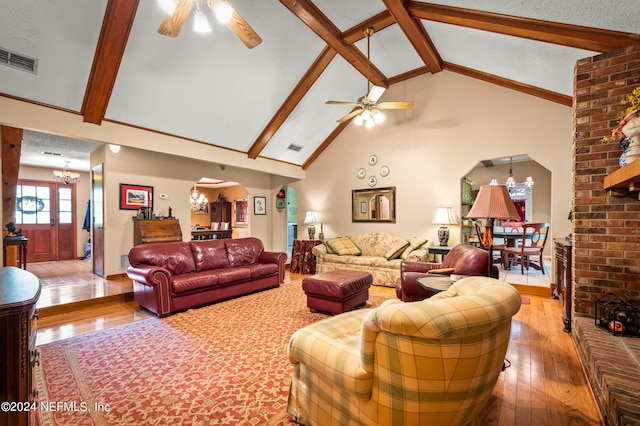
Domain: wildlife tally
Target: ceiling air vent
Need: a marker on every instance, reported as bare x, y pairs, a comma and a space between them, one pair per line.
18, 61
294, 147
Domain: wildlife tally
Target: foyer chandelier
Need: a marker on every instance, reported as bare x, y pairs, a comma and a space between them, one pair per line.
65, 175
198, 201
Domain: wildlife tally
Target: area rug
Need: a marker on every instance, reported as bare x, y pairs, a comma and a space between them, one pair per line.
224, 364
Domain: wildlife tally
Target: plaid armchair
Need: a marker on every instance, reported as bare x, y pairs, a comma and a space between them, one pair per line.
431, 362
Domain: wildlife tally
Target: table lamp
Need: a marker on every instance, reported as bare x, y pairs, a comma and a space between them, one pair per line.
493, 202
311, 218
444, 216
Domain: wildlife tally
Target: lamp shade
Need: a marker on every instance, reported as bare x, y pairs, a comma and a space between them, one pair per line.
311, 217
444, 216
493, 201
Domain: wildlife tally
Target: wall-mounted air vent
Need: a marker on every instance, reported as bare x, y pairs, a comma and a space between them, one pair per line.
18, 61
294, 147
55, 154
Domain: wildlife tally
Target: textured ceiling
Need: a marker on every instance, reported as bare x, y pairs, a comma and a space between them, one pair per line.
211, 88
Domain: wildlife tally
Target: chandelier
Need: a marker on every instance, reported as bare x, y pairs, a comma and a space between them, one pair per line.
65, 175
511, 182
199, 202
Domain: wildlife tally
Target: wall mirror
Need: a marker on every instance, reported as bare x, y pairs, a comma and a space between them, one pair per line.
374, 205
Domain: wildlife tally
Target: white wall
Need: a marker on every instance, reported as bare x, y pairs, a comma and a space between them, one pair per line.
458, 121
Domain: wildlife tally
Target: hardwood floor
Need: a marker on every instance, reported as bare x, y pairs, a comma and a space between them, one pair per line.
544, 385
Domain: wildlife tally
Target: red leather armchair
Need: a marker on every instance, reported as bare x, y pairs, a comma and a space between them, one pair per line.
463, 259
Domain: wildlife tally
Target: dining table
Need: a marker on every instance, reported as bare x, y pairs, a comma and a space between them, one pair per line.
511, 239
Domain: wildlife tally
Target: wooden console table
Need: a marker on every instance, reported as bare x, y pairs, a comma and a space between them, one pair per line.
19, 292
302, 259
563, 290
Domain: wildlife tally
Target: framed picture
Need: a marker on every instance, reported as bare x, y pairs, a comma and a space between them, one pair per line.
134, 197
242, 211
259, 205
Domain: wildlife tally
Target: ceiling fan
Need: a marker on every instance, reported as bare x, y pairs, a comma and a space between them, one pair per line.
367, 108
179, 10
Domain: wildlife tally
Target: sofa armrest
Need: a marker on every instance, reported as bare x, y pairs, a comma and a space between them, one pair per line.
150, 275
423, 267
331, 348
319, 250
279, 258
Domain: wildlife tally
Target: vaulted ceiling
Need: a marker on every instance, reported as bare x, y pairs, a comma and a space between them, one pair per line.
105, 60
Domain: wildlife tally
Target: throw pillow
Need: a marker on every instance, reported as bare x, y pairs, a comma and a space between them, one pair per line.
397, 248
414, 243
343, 246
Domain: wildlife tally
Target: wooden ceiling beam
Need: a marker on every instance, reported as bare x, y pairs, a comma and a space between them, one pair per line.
308, 13
416, 34
116, 27
11, 141
511, 84
577, 36
301, 89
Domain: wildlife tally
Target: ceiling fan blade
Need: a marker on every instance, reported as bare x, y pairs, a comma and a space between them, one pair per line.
173, 23
237, 24
350, 115
396, 105
374, 93
342, 103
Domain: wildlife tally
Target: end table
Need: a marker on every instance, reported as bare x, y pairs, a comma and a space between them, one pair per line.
302, 259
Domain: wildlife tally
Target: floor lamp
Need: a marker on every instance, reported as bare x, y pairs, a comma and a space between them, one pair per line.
493, 202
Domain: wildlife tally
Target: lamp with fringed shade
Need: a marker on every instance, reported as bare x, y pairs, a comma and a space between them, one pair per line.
493, 202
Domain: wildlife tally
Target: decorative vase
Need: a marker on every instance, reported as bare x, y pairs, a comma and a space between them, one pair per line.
632, 131
623, 158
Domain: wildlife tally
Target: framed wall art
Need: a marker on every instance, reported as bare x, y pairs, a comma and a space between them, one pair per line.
260, 205
134, 197
242, 208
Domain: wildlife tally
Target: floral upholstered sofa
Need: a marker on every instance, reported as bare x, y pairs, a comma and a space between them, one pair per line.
379, 253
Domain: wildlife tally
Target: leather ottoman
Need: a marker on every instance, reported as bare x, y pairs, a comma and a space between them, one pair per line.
337, 291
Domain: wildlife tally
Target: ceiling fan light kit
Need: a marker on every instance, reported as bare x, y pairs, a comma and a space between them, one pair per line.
367, 109
179, 10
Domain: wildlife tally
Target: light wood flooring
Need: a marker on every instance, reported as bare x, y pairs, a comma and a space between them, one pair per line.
545, 384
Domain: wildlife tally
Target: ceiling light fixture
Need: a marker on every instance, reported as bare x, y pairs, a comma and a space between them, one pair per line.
198, 201
65, 175
511, 181
200, 23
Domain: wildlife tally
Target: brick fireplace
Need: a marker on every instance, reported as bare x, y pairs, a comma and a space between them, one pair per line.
606, 232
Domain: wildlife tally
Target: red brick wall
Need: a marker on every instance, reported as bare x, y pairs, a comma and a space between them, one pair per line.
606, 228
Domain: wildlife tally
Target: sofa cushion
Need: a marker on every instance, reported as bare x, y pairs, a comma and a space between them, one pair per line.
414, 243
376, 243
397, 249
209, 254
230, 275
259, 270
343, 246
243, 251
176, 257
194, 281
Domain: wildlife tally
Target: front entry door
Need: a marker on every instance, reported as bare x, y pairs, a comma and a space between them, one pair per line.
45, 213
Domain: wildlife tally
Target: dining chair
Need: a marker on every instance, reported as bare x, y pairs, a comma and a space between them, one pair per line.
497, 248
534, 238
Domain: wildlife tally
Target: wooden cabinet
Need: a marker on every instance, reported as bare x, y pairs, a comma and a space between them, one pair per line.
220, 211
148, 231
19, 292
563, 290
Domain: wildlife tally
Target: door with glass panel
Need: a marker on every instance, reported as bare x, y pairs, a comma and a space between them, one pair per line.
45, 213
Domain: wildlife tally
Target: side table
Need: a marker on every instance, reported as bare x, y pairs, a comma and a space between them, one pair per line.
441, 250
302, 259
21, 242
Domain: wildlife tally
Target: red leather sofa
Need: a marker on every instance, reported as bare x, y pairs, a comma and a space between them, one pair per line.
172, 277
463, 260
